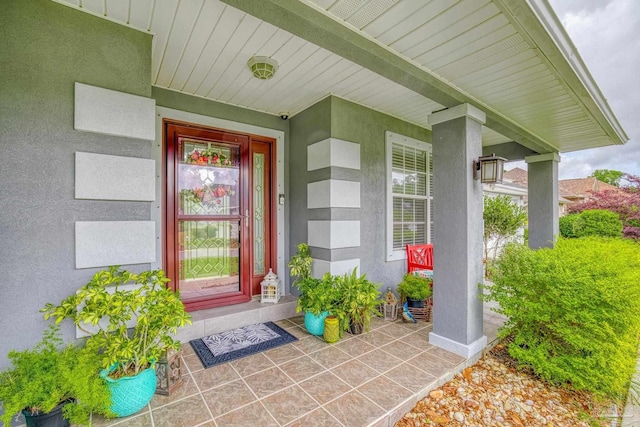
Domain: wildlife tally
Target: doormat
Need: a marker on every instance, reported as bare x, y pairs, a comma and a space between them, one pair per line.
230, 345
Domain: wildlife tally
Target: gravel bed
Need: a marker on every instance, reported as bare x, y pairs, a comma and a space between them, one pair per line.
493, 393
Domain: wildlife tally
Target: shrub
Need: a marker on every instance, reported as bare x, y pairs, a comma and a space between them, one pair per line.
624, 202
573, 311
502, 219
594, 222
567, 225
598, 222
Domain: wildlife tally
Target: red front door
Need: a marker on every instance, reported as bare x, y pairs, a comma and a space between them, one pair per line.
218, 214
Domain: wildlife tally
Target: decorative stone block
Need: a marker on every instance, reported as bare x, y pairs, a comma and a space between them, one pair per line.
105, 243
333, 152
114, 113
103, 177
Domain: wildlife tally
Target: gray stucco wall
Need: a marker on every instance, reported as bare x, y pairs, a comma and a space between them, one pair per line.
355, 123
338, 118
46, 47
308, 127
197, 105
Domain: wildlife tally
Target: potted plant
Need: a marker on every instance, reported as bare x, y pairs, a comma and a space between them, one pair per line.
317, 299
300, 264
358, 300
317, 296
53, 385
415, 289
130, 319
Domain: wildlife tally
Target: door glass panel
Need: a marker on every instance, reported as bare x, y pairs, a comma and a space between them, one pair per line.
208, 179
258, 214
209, 257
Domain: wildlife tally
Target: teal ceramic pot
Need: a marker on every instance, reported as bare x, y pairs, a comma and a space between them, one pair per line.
131, 394
315, 323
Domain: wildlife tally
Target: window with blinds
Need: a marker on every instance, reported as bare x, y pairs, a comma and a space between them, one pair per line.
409, 190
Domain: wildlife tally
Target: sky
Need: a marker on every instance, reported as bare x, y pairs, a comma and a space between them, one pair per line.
606, 34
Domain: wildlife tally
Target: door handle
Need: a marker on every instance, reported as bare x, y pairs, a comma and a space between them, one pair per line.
246, 218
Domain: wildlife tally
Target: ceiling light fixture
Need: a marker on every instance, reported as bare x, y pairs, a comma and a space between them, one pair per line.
263, 67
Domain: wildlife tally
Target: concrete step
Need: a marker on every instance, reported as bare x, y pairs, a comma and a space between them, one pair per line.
220, 319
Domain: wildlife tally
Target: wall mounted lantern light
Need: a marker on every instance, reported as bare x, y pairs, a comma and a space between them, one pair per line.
489, 169
262, 67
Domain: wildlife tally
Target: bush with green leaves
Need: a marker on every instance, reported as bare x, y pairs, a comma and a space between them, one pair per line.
502, 219
567, 225
49, 374
573, 311
598, 222
594, 222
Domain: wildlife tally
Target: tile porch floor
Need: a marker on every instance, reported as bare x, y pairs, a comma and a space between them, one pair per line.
367, 380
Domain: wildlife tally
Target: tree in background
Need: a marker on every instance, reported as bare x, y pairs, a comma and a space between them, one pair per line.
609, 176
625, 202
502, 220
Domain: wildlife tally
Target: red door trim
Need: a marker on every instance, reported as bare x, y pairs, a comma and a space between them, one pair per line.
172, 129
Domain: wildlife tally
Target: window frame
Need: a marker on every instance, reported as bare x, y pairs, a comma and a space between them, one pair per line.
392, 138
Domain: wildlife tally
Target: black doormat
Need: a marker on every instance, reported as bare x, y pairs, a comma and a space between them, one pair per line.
241, 342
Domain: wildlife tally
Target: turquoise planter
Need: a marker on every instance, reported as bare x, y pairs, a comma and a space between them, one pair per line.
131, 394
315, 322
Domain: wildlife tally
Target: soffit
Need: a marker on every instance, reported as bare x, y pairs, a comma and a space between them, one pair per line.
507, 54
200, 47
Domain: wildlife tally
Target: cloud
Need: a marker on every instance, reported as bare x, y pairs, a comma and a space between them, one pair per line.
607, 37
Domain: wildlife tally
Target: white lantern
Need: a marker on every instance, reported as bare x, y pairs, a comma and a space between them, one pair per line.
270, 288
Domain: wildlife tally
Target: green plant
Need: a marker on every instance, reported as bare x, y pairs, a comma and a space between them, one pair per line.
594, 222
573, 311
300, 264
598, 222
357, 300
502, 219
317, 295
49, 374
567, 225
415, 287
108, 307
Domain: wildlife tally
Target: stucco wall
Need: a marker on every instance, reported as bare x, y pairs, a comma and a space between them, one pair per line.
309, 126
338, 118
355, 123
46, 47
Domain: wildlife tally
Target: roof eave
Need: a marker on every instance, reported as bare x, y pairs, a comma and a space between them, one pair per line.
541, 24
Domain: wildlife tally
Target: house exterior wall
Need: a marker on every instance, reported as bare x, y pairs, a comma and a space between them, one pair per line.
51, 47
346, 121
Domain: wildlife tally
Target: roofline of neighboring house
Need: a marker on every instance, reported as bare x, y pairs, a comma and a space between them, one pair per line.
542, 25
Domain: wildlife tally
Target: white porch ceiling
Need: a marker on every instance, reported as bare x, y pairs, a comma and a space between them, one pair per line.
477, 47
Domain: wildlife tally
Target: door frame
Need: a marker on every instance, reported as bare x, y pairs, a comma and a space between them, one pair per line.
279, 234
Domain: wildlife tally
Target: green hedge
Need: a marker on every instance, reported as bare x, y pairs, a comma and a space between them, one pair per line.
574, 311
567, 225
595, 222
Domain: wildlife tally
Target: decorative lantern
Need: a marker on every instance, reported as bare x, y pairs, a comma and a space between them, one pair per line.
489, 169
169, 372
270, 288
390, 306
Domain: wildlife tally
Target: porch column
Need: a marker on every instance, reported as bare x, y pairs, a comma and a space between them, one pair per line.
458, 204
543, 199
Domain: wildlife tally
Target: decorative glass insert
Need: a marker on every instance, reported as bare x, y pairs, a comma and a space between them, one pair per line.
208, 177
258, 215
209, 257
